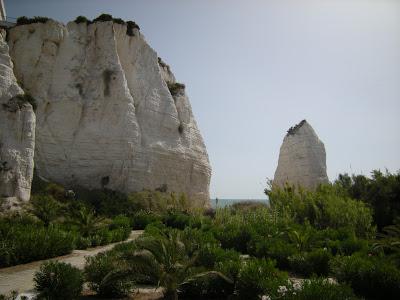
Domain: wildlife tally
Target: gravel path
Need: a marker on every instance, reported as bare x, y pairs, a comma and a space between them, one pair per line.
20, 278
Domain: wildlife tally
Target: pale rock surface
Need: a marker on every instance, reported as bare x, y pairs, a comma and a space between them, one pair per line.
105, 115
302, 158
17, 135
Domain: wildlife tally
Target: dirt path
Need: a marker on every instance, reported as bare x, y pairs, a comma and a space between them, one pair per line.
20, 278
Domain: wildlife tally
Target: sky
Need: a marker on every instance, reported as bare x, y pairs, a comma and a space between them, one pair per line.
252, 69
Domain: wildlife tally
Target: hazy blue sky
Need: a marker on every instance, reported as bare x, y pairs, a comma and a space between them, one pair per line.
255, 68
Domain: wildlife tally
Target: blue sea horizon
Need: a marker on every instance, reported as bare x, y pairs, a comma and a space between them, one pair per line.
227, 202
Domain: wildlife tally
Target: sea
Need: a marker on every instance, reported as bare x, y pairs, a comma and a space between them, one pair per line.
227, 202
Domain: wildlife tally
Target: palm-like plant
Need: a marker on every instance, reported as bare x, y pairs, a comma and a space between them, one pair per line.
389, 240
163, 258
45, 208
86, 220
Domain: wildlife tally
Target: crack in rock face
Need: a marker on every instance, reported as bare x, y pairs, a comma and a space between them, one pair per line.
105, 115
302, 158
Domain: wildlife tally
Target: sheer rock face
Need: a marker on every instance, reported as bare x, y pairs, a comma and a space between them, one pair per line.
302, 158
17, 134
105, 115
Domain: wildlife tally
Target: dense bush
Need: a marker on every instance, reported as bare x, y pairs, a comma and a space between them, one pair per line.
99, 273
317, 289
308, 263
381, 192
370, 277
176, 88
22, 243
81, 19
259, 277
45, 208
141, 219
327, 207
57, 280
208, 285
275, 248
24, 20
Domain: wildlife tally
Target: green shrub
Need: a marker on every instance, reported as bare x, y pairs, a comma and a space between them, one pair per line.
370, 277
143, 218
317, 289
177, 220
81, 19
130, 28
381, 192
233, 236
103, 18
308, 263
176, 88
273, 248
99, 271
57, 280
326, 207
45, 208
25, 243
208, 285
210, 254
24, 20
259, 277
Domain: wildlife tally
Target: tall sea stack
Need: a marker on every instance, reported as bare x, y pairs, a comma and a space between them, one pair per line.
302, 158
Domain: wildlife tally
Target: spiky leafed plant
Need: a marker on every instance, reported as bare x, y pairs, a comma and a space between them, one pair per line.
163, 258
86, 220
389, 240
45, 208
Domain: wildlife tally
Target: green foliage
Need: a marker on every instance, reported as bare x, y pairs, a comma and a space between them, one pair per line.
176, 88
45, 208
81, 19
58, 280
143, 218
130, 28
317, 289
381, 192
99, 273
389, 241
86, 221
177, 220
275, 248
315, 262
25, 21
370, 277
22, 243
207, 285
259, 277
103, 18
325, 208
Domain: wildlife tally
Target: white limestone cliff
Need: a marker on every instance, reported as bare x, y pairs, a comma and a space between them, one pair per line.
105, 115
302, 158
17, 134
